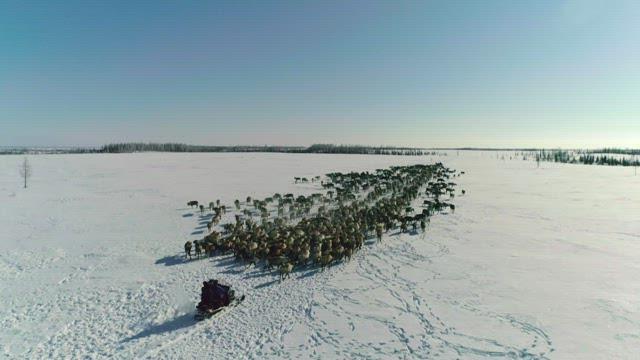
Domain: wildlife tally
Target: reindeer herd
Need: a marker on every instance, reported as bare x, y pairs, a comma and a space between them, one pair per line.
285, 232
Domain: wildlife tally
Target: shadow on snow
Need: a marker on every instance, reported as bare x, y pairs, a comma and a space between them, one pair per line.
178, 323
171, 260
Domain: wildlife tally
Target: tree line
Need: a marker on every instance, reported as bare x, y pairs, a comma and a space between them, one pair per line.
45, 150
179, 147
313, 149
360, 149
587, 158
616, 151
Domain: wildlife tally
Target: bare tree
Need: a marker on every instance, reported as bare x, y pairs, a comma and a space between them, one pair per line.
25, 171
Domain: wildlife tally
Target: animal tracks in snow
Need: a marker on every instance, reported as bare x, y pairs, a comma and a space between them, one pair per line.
385, 295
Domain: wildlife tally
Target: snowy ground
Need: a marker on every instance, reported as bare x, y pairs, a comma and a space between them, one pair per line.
535, 263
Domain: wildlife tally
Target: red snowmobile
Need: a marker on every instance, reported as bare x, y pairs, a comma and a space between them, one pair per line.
214, 298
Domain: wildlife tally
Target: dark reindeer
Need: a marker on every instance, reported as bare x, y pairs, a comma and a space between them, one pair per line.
198, 248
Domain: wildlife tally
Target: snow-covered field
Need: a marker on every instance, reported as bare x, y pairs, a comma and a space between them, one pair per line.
535, 263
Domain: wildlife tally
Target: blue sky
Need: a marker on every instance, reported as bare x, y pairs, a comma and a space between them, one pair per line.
423, 73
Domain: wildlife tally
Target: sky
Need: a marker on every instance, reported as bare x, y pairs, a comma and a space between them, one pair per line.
413, 73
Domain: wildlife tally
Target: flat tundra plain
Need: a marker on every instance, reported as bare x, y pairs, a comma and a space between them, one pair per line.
535, 263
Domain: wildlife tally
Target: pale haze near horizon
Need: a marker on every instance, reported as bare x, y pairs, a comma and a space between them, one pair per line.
427, 74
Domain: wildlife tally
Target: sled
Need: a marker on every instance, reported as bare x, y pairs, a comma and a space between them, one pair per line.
207, 314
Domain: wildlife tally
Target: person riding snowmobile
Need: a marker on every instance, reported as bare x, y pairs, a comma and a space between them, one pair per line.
214, 296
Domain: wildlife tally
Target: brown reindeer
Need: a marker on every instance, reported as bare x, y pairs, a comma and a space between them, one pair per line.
285, 270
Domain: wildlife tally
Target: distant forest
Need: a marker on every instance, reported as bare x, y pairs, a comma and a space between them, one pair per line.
178, 147
617, 156
588, 157
616, 151
313, 149
47, 150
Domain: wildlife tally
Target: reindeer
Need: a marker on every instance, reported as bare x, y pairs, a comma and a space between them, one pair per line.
303, 256
328, 227
198, 248
379, 231
348, 252
208, 249
276, 261
326, 260
285, 270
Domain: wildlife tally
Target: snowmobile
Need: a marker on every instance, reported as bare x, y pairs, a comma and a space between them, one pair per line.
215, 297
